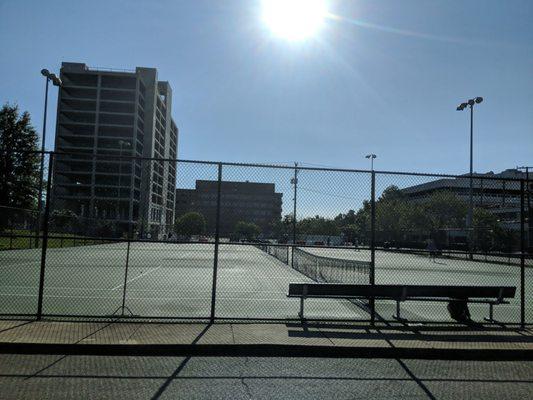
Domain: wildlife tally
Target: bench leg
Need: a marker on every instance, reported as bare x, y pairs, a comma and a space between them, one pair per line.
491, 314
301, 313
398, 315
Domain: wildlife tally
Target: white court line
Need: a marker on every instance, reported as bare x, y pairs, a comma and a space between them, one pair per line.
137, 277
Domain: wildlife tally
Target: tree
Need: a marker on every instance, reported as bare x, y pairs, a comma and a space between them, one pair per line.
485, 226
345, 219
317, 226
19, 167
63, 219
247, 230
350, 233
191, 223
445, 210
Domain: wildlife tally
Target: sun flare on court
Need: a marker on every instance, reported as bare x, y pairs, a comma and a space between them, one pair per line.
294, 19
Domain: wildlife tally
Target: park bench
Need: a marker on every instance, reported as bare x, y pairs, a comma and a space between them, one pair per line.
491, 295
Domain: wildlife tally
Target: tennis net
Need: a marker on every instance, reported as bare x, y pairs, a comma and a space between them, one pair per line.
331, 270
279, 252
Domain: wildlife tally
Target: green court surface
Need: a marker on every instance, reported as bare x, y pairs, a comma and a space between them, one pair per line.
175, 280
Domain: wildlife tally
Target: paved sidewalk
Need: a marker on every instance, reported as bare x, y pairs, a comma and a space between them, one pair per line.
222, 338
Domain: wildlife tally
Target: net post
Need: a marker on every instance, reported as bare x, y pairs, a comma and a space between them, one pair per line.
522, 256
372, 245
45, 238
124, 288
217, 239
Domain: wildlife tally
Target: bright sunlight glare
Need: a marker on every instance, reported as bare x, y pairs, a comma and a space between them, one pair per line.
294, 19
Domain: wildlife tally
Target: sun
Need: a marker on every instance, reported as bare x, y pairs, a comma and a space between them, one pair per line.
294, 19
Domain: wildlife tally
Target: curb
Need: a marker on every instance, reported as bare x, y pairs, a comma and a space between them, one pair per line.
264, 350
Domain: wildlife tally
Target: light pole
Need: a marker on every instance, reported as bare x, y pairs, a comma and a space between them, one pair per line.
470, 103
529, 211
56, 82
371, 157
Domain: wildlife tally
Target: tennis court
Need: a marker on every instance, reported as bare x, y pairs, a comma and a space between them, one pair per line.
175, 280
164, 280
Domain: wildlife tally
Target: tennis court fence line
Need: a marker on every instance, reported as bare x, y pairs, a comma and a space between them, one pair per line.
313, 220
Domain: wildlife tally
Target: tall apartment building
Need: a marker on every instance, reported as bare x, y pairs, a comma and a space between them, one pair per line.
103, 115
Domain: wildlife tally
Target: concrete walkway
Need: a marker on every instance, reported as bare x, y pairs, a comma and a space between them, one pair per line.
332, 340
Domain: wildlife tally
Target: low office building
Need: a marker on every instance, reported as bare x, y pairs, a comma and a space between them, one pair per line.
498, 193
103, 115
253, 202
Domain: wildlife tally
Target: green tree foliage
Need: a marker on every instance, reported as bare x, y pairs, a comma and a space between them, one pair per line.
63, 220
350, 233
317, 226
19, 169
247, 230
355, 225
191, 223
445, 210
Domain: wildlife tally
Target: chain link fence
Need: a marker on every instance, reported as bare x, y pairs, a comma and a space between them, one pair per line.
151, 239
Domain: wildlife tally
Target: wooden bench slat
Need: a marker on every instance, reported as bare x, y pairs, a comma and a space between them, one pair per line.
400, 291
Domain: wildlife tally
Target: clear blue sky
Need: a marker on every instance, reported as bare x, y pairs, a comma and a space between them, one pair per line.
385, 79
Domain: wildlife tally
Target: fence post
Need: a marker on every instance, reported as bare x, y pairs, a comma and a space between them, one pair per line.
522, 258
294, 181
217, 239
373, 245
45, 237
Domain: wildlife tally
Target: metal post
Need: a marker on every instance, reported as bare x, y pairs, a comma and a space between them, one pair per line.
529, 245
41, 171
373, 245
124, 288
470, 191
522, 257
295, 183
217, 238
45, 238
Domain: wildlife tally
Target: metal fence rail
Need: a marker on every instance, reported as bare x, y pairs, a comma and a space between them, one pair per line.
114, 239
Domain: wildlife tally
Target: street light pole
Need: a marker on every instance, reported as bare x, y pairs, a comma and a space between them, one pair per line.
469, 219
56, 82
371, 157
528, 193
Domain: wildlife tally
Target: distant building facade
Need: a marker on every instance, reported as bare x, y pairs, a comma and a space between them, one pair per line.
109, 114
253, 202
501, 197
